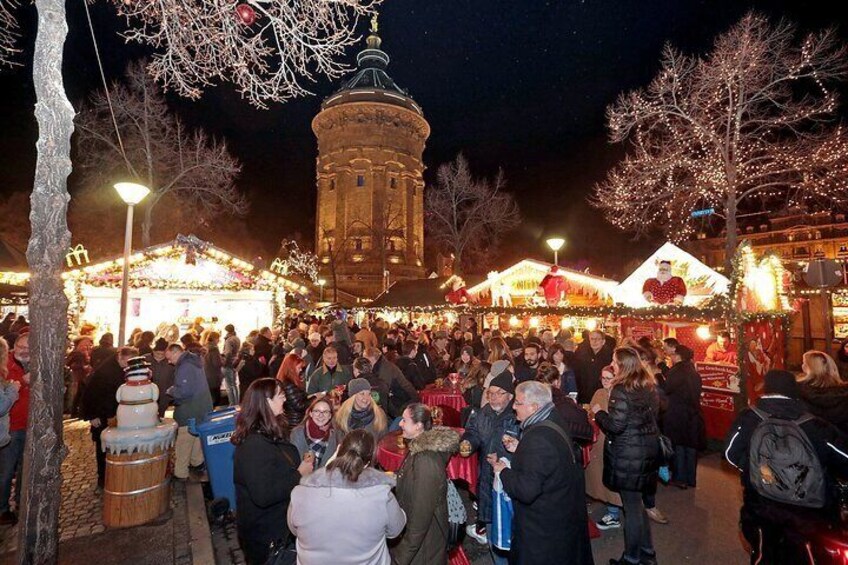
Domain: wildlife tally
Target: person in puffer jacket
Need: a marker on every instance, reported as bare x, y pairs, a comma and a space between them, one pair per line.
631, 451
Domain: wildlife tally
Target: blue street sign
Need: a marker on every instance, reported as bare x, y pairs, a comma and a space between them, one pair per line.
704, 212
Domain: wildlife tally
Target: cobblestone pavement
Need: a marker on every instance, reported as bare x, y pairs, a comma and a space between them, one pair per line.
81, 507
84, 539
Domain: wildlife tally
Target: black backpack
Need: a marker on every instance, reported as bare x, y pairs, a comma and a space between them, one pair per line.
783, 464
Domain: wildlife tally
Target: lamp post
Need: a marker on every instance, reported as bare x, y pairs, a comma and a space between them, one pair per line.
131, 193
555, 243
321, 283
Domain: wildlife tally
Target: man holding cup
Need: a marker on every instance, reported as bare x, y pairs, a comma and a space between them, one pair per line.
483, 433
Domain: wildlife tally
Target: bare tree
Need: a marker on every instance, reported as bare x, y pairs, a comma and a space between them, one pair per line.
292, 260
264, 47
8, 33
335, 248
385, 231
198, 47
157, 148
468, 215
747, 128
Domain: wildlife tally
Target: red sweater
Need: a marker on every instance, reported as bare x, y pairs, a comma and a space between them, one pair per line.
20, 409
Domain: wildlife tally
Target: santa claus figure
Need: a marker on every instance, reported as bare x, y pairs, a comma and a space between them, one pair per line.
459, 294
553, 287
665, 288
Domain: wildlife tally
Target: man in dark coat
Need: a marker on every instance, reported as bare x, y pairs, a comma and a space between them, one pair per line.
99, 403
162, 373
546, 485
263, 349
409, 367
103, 350
590, 358
682, 422
483, 434
401, 391
525, 370
778, 532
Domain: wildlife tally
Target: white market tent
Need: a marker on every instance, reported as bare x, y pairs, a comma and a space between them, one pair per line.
702, 282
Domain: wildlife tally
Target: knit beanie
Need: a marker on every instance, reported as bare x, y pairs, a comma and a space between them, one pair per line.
357, 385
778, 381
504, 381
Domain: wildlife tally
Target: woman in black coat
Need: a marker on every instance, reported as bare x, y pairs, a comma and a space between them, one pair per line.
682, 422
266, 467
822, 390
631, 452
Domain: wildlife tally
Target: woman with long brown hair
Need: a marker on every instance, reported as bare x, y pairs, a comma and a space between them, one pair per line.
631, 452
266, 467
297, 401
351, 500
499, 351
822, 389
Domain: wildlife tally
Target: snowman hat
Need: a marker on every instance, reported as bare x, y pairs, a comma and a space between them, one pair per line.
137, 367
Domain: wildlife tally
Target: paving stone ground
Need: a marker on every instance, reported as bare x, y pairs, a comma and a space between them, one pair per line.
84, 539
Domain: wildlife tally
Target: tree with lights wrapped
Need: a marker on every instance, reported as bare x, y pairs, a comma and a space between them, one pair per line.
467, 216
748, 128
265, 47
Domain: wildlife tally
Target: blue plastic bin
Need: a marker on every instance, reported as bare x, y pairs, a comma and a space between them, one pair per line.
215, 431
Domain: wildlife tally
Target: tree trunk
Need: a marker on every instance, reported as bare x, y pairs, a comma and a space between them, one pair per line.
38, 529
730, 241
147, 225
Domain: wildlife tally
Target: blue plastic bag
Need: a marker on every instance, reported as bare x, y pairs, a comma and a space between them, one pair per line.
664, 474
501, 530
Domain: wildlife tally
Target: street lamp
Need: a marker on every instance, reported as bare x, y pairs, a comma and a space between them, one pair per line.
321, 283
131, 193
555, 243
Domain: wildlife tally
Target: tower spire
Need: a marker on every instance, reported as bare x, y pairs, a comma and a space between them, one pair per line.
373, 41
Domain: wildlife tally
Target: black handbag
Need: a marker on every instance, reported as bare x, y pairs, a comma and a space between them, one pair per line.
282, 552
666, 450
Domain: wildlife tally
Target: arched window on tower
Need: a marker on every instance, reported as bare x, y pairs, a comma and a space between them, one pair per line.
360, 180
357, 244
393, 182
332, 184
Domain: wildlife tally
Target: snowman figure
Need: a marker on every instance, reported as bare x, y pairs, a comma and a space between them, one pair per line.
137, 397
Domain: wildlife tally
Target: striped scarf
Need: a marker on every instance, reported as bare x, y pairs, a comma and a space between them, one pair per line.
540, 415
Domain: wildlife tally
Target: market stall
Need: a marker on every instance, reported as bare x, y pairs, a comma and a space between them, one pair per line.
672, 294
176, 283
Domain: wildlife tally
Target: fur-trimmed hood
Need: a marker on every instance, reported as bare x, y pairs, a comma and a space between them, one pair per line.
322, 478
440, 440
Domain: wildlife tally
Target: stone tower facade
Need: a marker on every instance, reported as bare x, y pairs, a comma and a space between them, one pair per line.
369, 228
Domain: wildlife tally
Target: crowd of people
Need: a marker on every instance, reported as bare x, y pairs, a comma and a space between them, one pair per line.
553, 418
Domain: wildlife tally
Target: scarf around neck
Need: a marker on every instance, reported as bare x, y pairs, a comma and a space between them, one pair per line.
360, 418
540, 415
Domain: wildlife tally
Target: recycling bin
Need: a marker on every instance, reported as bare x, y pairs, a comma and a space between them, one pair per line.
215, 431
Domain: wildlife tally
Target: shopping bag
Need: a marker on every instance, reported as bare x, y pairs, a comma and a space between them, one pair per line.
502, 512
457, 557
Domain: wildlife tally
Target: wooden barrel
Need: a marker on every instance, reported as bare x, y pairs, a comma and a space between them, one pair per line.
137, 488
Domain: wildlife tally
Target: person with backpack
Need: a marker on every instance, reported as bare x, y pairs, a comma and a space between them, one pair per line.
788, 459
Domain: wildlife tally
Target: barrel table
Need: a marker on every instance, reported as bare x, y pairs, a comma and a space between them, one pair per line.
137, 488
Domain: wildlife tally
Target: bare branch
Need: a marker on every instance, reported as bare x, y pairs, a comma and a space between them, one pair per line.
9, 33
267, 48
157, 148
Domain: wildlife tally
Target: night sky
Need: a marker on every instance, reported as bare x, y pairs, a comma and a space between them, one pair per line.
517, 84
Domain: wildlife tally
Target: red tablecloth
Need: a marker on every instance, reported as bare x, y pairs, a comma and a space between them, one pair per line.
449, 399
390, 457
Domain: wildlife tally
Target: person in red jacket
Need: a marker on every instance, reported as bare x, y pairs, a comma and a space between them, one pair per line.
12, 455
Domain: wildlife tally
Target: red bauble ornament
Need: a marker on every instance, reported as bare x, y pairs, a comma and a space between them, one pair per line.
246, 14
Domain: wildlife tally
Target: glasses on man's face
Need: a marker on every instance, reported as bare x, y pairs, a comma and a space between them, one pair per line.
517, 403
321, 412
497, 393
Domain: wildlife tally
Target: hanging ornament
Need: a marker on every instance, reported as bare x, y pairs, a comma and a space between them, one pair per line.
246, 14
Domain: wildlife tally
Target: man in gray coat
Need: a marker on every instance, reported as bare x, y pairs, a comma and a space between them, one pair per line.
191, 395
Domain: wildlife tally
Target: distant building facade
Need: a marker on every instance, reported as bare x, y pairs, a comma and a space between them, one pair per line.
369, 229
797, 239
